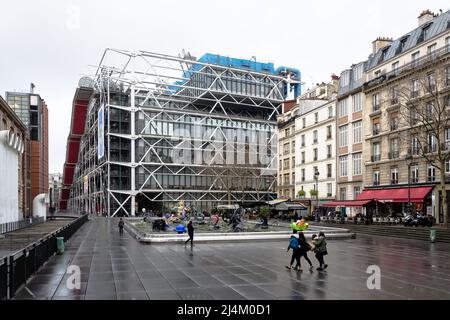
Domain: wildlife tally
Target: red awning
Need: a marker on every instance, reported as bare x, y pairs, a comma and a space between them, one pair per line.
417, 194
349, 203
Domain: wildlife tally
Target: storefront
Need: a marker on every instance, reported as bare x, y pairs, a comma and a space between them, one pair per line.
348, 208
394, 201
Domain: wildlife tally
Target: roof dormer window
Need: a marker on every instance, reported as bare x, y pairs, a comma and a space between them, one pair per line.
425, 34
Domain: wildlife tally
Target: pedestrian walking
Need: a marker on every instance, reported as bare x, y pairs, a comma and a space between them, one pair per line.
190, 228
121, 225
320, 249
293, 244
304, 247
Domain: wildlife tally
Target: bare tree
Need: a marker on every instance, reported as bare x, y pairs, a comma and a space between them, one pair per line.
424, 120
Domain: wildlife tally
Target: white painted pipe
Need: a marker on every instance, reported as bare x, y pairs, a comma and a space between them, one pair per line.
39, 206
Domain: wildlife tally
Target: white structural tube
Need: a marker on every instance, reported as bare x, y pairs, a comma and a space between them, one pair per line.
40, 206
11, 146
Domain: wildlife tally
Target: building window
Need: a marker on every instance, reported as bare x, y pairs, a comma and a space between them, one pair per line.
358, 72
315, 154
447, 166
330, 112
431, 50
357, 132
329, 132
414, 173
447, 76
315, 137
395, 66
356, 192
376, 178
293, 162
281, 165
429, 111
432, 143
393, 121
357, 102
431, 82
328, 151
447, 139
286, 164
431, 177
303, 156
343, 193
303, 140
376, 126
304, 122
394, 148
414, 145
329, 190
329, 170
343, 166
343, 108
316, 117
303, 174
287, 132
414, 88
343, 136
415, 58
286, 178
357, 164
286, 148
376, 151
345, 79
375, 102
293, 177
293, 146
394, 175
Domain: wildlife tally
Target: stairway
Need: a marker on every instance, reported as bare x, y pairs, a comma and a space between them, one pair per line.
417, 233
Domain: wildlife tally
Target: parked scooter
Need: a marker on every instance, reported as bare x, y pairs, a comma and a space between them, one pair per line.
410, 221
425, 220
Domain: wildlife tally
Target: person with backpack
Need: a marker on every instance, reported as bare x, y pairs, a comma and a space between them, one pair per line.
320, 249
121, 225
304, 247
293, 244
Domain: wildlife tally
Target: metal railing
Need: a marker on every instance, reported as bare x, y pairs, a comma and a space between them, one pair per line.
11, 226
18, 267
435, 55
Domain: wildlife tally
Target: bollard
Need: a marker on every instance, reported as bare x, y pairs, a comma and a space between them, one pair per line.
433, 235
60, 245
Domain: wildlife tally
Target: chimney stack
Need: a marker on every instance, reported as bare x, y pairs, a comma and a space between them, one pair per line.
381, 42
334, 77
426, 16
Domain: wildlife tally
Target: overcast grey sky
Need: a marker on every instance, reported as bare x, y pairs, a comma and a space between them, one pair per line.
42, 41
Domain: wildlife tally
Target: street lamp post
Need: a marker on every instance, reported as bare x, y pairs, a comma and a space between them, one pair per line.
408, 160
316, 177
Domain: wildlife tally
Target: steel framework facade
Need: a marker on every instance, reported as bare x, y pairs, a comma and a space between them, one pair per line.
176, 128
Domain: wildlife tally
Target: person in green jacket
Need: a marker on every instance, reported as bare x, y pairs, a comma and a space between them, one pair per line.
320, 249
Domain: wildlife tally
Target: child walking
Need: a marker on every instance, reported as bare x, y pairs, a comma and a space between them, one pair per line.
293, 244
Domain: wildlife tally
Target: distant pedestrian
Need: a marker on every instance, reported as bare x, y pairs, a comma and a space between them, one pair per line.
304, 247
190, 228
320, 248
121, 225
293, 244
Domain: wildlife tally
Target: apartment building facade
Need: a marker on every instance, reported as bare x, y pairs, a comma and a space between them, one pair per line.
349, 130
315, 137
395, 73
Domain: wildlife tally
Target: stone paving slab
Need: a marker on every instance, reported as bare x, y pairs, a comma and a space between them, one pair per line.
118, 267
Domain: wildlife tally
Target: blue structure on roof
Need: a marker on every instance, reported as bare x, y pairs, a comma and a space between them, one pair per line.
244, 64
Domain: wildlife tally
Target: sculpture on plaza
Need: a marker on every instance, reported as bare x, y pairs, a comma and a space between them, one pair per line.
300, 225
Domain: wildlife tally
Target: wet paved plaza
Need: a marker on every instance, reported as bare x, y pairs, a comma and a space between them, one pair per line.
119, 267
